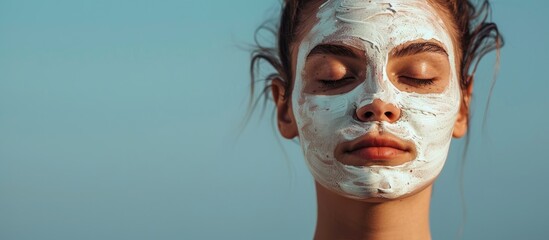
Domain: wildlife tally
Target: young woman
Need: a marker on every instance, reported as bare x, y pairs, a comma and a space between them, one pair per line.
374, 90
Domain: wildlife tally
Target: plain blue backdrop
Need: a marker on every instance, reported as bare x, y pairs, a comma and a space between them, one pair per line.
120, 119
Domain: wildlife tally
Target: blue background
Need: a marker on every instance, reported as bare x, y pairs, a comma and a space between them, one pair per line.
121, 119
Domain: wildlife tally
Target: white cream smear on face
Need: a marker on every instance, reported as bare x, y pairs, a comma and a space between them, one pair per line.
427, 120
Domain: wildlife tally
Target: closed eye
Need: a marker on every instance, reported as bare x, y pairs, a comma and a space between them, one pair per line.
336, 82
416, 81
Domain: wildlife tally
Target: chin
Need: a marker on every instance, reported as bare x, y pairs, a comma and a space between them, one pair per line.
377, 194
379, 198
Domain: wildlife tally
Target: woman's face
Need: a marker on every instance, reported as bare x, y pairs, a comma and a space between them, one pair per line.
376, 97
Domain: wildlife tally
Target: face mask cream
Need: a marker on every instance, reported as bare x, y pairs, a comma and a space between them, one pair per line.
325, 122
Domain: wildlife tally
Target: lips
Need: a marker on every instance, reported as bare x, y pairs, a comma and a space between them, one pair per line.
371, 149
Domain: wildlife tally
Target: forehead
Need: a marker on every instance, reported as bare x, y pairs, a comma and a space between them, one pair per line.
377, 24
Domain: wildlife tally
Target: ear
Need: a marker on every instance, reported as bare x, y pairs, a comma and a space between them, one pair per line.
461, 124
284, 114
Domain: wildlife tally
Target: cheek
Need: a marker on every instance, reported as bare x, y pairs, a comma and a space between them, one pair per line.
430, 118
321, 116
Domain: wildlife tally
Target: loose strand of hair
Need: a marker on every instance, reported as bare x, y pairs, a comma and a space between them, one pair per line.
484, 38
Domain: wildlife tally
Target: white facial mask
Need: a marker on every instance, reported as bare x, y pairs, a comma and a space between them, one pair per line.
427, 120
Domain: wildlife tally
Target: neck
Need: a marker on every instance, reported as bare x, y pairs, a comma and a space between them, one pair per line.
344, 218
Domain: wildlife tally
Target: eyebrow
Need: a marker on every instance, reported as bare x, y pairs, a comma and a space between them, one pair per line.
333, 49
416, 48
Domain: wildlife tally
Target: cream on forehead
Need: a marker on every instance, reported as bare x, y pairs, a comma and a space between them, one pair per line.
325, 121
348, 20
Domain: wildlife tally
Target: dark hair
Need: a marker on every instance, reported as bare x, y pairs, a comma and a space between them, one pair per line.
473, 32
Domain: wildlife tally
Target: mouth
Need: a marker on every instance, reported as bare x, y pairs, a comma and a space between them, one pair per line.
375, 149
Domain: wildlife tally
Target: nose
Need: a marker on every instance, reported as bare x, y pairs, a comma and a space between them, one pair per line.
378, 111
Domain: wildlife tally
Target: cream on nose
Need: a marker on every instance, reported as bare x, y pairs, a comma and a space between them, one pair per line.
378, 111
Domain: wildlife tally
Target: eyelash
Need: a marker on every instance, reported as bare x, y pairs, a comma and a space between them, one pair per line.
336, 82
419, 81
